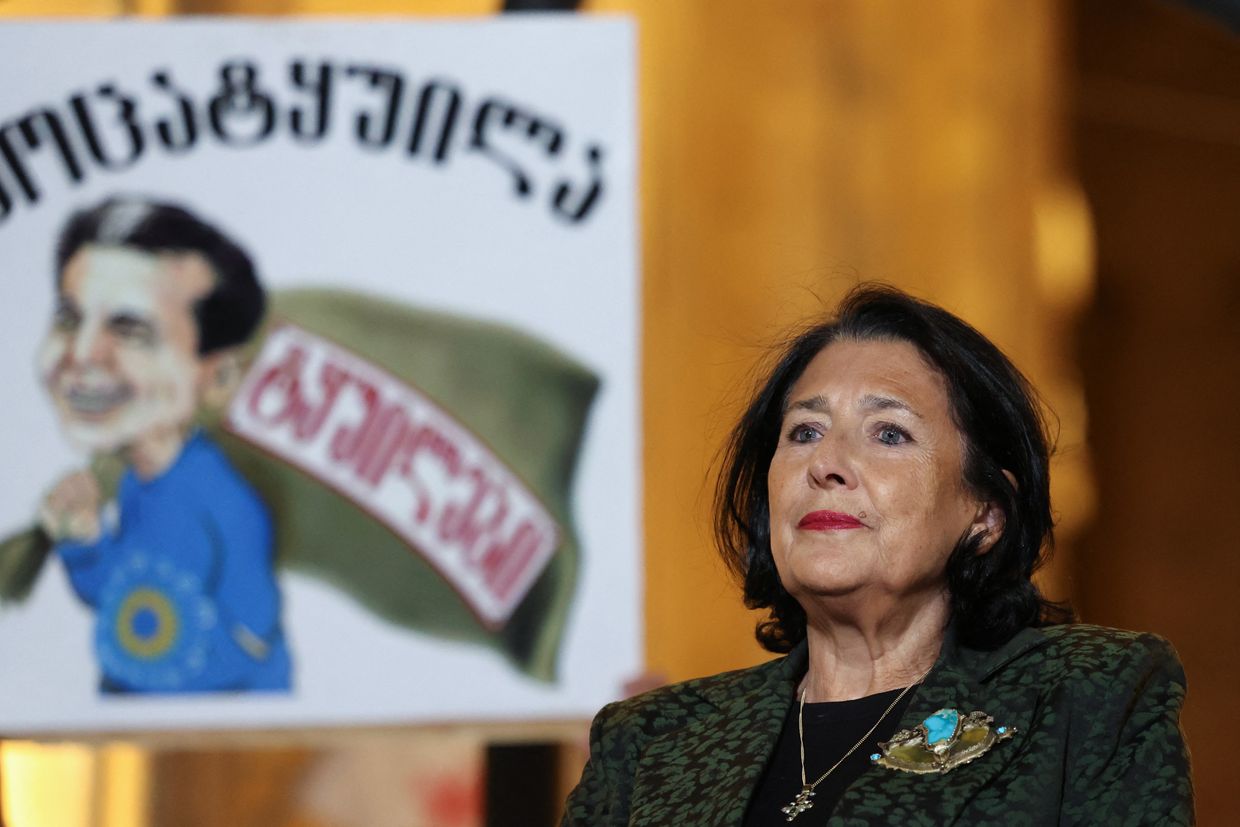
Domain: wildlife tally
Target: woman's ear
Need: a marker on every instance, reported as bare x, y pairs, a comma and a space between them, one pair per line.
989, 521
988, 526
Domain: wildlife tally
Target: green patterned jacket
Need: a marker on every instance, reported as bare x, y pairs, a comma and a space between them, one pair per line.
1097, 741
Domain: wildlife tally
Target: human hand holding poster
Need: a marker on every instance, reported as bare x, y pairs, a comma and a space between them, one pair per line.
332, 414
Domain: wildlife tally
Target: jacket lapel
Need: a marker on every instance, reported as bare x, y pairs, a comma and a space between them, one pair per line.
705, 772
958, 681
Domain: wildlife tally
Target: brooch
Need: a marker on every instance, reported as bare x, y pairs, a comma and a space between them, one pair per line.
942, 742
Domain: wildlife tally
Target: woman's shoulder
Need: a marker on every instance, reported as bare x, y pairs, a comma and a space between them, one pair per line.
671, 707
1114, 698
1084, 642
1081, 652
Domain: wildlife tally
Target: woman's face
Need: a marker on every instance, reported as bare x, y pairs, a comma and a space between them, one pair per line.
867, 491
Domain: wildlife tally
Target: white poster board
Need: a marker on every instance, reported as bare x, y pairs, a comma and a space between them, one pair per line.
469, 185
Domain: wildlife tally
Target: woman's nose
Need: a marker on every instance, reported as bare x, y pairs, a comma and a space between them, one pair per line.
832, 464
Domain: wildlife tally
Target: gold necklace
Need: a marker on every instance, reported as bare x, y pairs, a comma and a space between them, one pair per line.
804, 799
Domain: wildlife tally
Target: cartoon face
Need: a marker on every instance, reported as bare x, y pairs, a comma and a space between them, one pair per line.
121, 358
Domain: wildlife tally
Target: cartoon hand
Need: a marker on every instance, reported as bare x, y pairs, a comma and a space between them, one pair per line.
70, 511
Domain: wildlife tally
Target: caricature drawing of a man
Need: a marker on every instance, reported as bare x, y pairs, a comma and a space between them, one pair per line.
151, 305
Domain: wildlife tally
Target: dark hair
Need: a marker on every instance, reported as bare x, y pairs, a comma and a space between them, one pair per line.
229, 313
997, 412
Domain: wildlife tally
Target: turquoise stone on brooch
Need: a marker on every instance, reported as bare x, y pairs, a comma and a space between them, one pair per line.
942, 741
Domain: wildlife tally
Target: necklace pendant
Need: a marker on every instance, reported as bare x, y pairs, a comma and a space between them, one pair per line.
799, 804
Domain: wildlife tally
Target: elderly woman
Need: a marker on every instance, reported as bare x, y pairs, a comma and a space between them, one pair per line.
886, 499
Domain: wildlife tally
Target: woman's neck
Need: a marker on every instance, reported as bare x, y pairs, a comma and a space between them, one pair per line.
856, 654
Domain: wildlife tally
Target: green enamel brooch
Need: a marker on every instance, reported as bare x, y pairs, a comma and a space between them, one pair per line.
943, 741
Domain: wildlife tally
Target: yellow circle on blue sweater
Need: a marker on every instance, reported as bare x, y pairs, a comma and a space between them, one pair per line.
147, 624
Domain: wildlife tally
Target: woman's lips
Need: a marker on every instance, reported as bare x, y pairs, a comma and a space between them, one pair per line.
829, 521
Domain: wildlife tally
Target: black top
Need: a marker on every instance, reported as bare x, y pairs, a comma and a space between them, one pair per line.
830, 730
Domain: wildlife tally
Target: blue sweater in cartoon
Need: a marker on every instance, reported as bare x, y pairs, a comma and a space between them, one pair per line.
185, 596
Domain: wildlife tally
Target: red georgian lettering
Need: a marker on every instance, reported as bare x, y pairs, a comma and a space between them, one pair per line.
347, 439
428, 442
444, 449
405, 455
506, 561
461, 523
382, 440
284, 381
332, 379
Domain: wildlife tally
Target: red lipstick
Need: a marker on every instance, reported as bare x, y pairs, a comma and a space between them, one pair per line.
828, 521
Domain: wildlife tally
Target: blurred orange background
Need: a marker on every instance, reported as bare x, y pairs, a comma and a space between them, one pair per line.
1065, 175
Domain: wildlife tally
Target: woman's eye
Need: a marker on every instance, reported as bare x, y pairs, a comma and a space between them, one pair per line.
803, 433
892, 435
